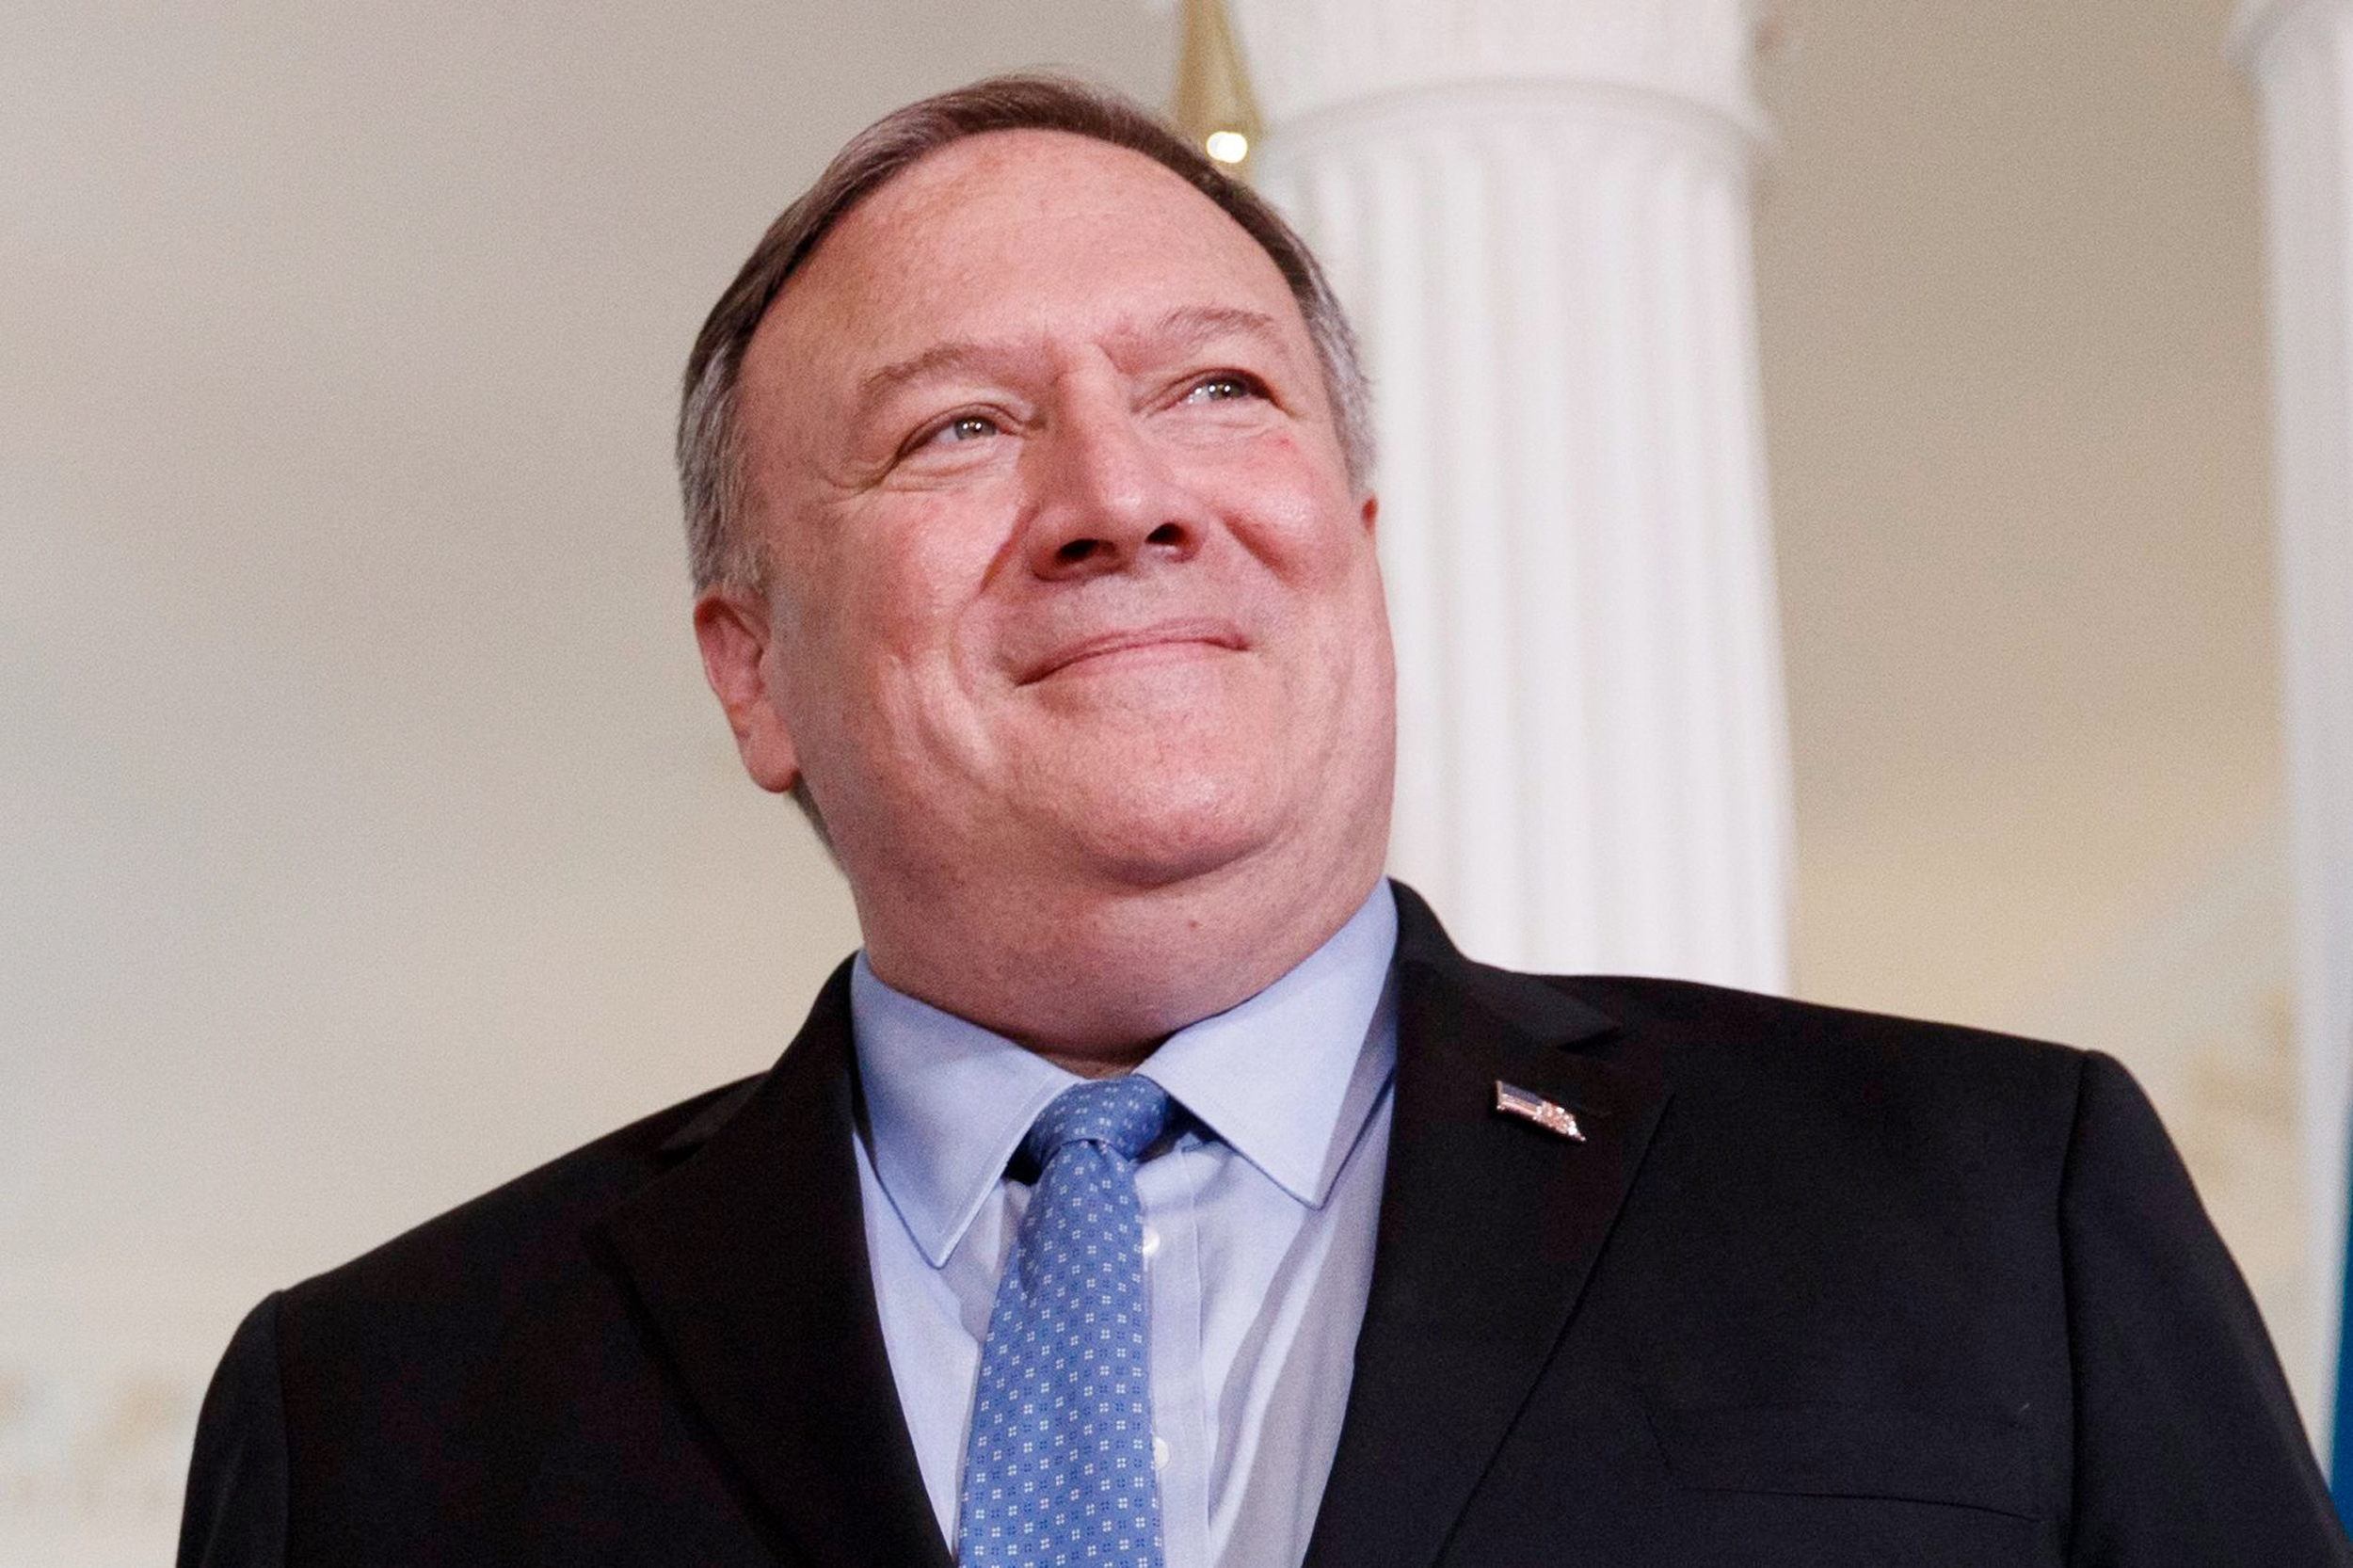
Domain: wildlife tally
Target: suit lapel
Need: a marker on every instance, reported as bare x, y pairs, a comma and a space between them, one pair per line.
1489, 1229
748, 1263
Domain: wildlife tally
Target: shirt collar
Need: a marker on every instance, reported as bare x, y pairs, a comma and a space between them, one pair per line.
1286, 1078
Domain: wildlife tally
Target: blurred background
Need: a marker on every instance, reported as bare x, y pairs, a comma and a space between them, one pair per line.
367, 835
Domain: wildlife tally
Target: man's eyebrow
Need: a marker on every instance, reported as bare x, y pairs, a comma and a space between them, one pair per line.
1186, 327
955, 354
1193, 325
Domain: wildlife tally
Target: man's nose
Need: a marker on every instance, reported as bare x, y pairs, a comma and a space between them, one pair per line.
1107, 497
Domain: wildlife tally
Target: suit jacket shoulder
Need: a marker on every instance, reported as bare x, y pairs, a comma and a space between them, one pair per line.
503, 1244
1960, 1270
1823, 1286
1899, 1100
480, 1373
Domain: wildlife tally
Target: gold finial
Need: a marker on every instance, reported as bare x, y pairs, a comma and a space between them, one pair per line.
1213, 101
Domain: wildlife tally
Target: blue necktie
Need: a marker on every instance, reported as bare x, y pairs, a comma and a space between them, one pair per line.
1058, 1468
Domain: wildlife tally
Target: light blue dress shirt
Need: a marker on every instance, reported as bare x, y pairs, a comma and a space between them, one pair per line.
1258, 1214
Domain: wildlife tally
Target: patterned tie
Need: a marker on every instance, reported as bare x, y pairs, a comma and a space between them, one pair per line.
1058, 1469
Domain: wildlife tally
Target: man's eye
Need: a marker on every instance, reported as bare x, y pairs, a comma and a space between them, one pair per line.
1219, 389
964, 427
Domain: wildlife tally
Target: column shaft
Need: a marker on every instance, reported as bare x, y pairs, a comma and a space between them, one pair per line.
2301, 58
1538, 218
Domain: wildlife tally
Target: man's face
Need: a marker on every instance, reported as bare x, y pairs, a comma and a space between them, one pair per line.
1067, 577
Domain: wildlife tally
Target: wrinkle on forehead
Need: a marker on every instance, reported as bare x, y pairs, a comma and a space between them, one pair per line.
1182, 329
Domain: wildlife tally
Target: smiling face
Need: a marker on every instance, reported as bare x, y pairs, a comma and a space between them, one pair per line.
1071, 597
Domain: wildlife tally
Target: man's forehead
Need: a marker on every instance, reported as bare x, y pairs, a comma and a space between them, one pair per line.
986, 212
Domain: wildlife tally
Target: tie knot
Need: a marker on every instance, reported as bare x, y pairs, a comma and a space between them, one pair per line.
1124, 1114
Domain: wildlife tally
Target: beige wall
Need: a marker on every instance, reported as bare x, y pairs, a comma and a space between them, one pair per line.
2011, 293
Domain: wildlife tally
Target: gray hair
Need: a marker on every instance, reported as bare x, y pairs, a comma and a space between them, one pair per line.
721, 549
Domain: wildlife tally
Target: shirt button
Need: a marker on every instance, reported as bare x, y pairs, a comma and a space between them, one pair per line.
1160, 1452
1151, 1242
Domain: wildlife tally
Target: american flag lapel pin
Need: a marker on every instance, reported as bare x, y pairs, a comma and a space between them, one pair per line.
1513, 1101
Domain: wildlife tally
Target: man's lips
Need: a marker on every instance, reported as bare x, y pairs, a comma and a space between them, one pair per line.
1171, 634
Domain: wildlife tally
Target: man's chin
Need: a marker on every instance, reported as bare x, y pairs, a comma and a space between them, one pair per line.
1151, 846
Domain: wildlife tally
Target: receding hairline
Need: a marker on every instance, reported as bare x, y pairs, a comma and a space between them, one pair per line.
1198, 319
860, 211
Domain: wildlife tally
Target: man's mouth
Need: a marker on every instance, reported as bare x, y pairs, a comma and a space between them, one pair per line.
1167, 639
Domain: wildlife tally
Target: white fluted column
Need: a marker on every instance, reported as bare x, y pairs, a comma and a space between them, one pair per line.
1538, 216
2299, 55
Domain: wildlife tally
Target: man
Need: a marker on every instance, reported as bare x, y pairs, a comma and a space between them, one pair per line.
1159, 1186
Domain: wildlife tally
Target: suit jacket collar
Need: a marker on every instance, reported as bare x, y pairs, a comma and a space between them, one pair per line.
747, 1265
1489, 1231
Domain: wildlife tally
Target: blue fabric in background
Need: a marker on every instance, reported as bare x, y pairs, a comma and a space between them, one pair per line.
2341, 1434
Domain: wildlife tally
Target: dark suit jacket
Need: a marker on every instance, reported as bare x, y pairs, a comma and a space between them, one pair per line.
1817, 1288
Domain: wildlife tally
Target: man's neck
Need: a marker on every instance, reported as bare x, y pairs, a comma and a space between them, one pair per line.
1094, 983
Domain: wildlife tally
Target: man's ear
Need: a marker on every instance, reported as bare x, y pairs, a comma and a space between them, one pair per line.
732, 626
